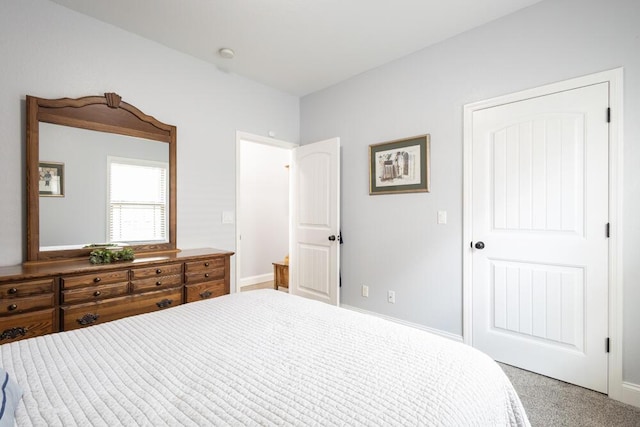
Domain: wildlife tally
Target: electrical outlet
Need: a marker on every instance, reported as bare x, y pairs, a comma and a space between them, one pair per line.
365, 291
391, 297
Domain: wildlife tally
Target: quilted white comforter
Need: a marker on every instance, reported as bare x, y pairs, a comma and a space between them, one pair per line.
257, 358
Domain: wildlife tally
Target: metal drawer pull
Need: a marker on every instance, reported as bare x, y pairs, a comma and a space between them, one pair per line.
12, 307
158, 271
87, 319
205, 294
206, 274
158, 283
12, 333
97, 280
97, 293
13, 291
206, 264
164, 303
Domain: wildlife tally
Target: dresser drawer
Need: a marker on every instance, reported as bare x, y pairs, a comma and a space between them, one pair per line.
159, 282
199, 277
161, 270
94, 292
204, 265
205, 290
94, 313
27, 325
204, 271
101, 278
20, 305
32, 287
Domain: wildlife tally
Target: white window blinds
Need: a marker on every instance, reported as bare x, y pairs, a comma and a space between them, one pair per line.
137, 200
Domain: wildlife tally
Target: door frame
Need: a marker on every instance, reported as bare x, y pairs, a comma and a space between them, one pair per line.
615, 80
258, 139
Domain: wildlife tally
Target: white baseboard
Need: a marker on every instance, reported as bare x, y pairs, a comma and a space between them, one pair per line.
444, 334
630, 394
254, 280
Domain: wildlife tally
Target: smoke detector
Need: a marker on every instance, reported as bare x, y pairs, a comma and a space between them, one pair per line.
226, 53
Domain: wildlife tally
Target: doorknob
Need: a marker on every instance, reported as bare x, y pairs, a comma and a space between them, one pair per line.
479, 245
332, 237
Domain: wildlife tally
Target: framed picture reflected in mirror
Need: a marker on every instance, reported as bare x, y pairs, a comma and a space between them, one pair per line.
51, 179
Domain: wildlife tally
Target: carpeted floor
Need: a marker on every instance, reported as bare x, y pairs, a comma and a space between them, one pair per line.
549, 402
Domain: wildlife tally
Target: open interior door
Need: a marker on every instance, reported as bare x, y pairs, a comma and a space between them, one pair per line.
314, 264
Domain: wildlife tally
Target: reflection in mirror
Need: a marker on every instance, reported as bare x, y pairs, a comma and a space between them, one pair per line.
86, 213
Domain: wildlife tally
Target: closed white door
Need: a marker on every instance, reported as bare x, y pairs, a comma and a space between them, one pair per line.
315, 204
539, 227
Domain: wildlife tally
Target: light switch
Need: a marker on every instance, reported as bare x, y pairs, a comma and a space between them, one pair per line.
442, 217
227, 217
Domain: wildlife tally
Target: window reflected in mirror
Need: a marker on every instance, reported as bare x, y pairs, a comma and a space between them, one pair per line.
137, 200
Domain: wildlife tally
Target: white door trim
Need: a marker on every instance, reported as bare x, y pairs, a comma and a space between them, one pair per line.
615, 79
245, 136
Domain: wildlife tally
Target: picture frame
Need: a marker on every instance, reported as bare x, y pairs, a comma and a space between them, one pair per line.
400, 166
51, 179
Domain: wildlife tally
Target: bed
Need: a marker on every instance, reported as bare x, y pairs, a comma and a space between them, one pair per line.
256, 358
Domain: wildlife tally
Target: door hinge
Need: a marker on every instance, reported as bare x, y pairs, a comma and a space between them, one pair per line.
609, 115
607, 342
608, 230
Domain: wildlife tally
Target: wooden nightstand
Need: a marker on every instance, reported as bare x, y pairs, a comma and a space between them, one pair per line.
280, 275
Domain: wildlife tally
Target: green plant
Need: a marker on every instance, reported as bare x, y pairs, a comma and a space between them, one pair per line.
106, 256
99, 245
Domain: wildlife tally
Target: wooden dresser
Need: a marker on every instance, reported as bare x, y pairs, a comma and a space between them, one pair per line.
60, 296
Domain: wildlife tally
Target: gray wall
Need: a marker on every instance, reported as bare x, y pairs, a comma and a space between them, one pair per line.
52, 52
393, 242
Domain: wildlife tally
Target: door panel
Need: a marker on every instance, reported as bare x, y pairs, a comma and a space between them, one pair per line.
539, 301
539, 186
314, 261
540, 205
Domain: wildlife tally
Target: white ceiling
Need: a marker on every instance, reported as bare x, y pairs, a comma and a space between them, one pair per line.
298, 46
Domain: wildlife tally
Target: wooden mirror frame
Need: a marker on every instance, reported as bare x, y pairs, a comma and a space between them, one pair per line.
100, 113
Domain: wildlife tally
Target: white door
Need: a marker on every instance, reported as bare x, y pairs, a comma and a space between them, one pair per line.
540, 209
315, 207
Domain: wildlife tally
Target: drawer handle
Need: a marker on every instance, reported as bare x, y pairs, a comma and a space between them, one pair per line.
158, 271
205, 294
12, 307
13, 333
206, 264
97, 293
97, 280
158, 283
206, 274
164, 303
13, 291
87, 319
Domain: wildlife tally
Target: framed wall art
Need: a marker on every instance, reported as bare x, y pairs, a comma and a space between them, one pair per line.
400, 166
51, 179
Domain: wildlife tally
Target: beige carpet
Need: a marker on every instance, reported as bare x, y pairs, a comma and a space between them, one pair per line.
550, 402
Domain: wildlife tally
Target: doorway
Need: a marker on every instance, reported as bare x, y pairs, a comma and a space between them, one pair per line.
311, 196
540, 271
262, 204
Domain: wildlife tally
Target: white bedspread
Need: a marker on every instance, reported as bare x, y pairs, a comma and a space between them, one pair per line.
257, 358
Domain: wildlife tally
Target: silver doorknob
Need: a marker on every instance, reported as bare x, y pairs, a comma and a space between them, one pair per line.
332, 237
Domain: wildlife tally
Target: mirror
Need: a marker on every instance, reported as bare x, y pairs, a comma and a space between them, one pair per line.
86, 155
